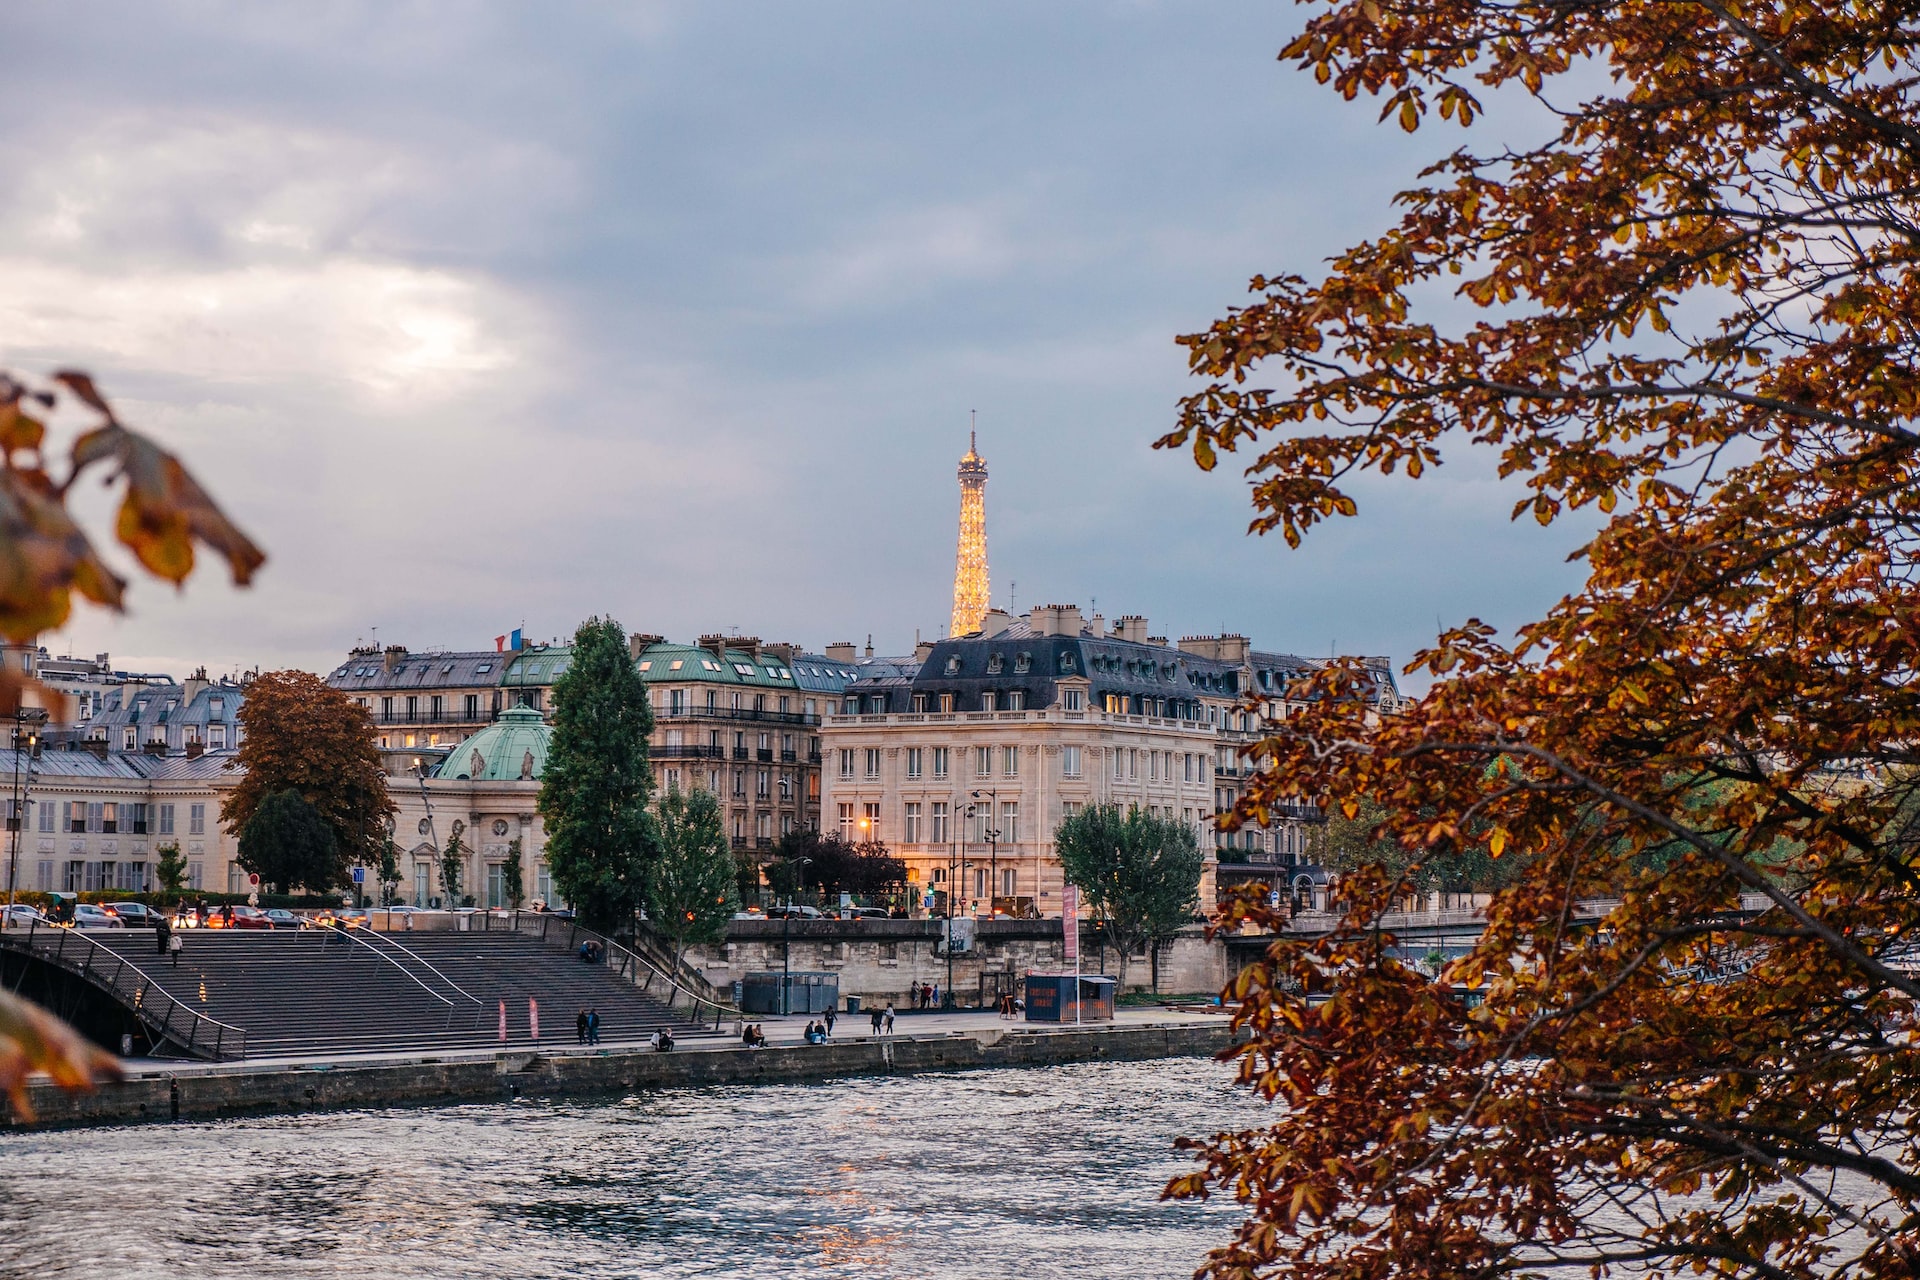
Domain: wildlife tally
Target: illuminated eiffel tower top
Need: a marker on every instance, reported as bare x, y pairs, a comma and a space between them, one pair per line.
970, 595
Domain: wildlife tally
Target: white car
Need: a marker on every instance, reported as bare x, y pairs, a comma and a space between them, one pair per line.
20, 915
88, 916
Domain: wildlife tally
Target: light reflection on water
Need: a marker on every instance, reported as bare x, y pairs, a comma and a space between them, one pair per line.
1033, 1173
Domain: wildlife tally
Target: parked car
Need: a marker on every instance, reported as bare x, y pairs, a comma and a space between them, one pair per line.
20, 915
792, 912
863, 913
134, 915
281, 918
250, 918
88, 916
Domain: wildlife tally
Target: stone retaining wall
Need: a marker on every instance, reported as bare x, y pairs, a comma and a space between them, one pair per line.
240, 1090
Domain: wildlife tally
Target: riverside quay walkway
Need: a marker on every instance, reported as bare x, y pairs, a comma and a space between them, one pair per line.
241, 994
184, 1090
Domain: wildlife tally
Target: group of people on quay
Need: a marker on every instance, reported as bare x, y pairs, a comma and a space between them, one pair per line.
586, 1027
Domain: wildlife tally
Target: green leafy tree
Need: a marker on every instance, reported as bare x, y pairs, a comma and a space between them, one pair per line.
511, 871
452, 860
595, 790
1140, 874
389, 871
171, 869
691, 891
287, 843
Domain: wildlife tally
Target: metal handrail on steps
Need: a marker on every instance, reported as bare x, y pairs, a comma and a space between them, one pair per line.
372, 950
621, 960
424, 963
133, 987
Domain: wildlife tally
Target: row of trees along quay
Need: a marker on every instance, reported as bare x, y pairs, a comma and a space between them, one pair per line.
1674, 297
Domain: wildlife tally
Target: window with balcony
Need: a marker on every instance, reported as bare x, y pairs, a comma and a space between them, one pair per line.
76, 821
435, 705
216, 736
946, 704
920, 703
763, 784
1015, 699
937, 819
1009, 881
132, 739
1074, 700
472, 706
910, 827
1009, 822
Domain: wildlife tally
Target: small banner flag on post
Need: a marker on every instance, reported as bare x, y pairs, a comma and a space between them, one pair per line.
1070, 925
503, 1020
533, 1016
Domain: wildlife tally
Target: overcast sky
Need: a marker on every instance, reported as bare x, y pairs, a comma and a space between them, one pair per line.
477, 316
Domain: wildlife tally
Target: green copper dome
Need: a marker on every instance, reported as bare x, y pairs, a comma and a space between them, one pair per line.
511, 749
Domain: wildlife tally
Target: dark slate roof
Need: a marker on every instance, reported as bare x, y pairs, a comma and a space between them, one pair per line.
158, 707
367, 672
816, 673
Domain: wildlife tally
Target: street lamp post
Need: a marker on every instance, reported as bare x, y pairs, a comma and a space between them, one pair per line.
17, 820
786, 947
993, 848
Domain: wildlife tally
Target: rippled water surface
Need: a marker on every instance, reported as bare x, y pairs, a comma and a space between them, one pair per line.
1051, 1171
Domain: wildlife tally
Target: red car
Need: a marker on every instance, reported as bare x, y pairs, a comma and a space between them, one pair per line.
251, 918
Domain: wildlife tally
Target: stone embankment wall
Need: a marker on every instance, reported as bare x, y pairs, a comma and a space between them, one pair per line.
883, 959
240, 1090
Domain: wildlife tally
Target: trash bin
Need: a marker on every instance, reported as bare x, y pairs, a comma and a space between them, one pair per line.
853, 1004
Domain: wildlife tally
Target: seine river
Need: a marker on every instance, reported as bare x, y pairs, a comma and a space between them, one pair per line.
1032, 1173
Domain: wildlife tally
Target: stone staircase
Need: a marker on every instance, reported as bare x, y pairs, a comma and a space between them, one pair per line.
323, 992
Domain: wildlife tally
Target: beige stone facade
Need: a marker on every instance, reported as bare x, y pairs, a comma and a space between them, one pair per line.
933, 786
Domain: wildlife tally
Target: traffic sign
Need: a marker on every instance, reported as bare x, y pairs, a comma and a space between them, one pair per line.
254, 880
359, 875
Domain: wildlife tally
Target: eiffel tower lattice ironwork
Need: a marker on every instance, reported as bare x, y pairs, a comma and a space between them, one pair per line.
970, 592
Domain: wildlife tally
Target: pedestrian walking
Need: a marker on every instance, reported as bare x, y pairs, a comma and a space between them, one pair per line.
830, 1019
162, 932
936, 995
875, 1020
580, 1027
174, 944
200, 913
593, 1026
889, 1023
226, 915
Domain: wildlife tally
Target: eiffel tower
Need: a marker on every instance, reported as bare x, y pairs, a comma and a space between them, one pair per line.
970, 595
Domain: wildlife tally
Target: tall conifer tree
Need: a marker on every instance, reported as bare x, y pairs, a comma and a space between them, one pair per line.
597, 783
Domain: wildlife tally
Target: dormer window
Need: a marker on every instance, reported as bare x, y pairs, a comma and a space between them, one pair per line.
953, 664
994, 664
1066, 662
1022, 662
